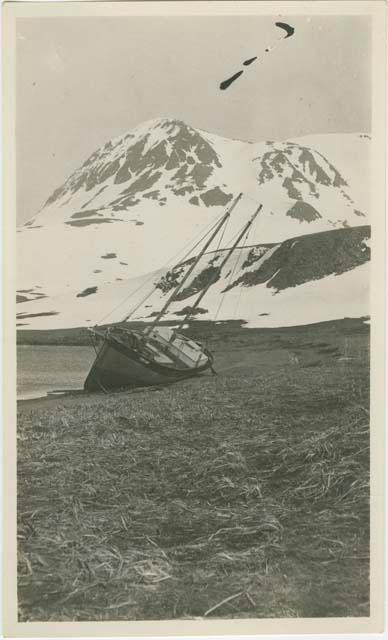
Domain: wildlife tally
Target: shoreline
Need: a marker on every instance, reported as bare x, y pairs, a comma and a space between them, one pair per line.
51, 398
70, 396
228, 343
76, 337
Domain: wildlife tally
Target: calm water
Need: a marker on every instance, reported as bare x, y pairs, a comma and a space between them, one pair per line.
45, 369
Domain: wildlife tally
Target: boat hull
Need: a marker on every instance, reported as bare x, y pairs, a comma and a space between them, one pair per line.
118, 367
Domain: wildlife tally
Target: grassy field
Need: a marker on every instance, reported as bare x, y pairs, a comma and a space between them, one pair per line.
244, 494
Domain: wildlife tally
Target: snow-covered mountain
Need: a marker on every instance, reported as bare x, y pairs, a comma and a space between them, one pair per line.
137, 201
164, 159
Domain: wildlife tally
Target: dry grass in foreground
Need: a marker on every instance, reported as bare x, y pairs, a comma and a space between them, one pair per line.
239, 495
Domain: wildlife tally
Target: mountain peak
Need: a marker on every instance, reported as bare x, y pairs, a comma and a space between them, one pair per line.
167, 126
165, 162
161, 149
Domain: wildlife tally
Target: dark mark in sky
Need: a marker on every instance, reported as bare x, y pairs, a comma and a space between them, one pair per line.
226, 83
249, 61
287, 27
282, 25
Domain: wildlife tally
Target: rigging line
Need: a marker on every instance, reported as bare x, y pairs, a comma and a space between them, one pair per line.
232, 239
165, 266
252, 199
241, 287
140, 304
222, 236
224, 261
93, 342
230, 242
155, 287
125, 299
224, 292
239, 256
207, 232
188, 315
193, 265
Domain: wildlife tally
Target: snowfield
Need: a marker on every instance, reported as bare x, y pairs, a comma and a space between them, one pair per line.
304, 280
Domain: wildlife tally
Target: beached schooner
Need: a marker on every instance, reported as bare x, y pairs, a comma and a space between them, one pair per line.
158, 354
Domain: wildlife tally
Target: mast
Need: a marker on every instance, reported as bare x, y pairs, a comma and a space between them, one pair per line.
212, 280
203, 250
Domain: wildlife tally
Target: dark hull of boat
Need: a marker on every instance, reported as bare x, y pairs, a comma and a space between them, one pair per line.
119, 367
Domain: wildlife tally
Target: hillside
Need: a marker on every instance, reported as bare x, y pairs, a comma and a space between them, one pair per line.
322, 276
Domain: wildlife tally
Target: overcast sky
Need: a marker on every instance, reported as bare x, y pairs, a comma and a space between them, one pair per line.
82, 81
